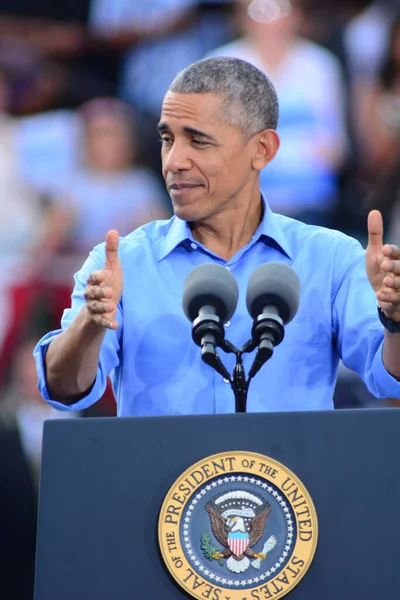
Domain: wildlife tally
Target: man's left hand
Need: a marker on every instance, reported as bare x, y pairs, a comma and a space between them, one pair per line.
383, 267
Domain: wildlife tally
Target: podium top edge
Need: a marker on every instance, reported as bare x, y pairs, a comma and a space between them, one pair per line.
312, 415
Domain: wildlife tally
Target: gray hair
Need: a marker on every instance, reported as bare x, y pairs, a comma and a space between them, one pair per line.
250, 99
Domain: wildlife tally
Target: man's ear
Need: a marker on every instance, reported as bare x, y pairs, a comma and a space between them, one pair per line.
267, 145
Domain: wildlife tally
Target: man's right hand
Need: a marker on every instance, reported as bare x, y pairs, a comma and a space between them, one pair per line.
104, 288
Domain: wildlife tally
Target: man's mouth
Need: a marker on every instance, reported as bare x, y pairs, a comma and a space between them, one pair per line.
183, 186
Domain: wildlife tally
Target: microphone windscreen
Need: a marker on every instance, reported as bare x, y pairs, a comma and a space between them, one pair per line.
210, 284
274, 284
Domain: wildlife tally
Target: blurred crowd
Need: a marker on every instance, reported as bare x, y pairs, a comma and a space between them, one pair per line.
81, 87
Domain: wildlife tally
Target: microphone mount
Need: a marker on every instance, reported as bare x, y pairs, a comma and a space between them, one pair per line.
267, 332
208, 333
239, 382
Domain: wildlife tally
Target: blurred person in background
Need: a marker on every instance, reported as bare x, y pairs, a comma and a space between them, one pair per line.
36, 83
322, 22
108, 187
380, 145
366, 38
22, 414
30, 229
45, 134
382, 132
302, 182
158, 39
58, 31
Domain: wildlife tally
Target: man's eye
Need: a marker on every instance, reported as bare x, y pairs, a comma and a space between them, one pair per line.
199, 143
166, 139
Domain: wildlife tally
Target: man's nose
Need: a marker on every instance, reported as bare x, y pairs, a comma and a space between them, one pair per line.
177, 158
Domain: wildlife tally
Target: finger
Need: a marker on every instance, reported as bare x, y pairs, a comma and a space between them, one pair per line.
96, 277
391, 266
111, 249
95, 292
389, 296
99, 307
392, 282
375, 231
392, 251
104, 322
387, 306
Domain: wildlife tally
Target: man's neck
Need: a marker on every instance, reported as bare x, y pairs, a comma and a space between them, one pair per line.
229, 231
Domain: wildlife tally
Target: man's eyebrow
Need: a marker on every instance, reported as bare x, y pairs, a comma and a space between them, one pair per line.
163, 127
198, 133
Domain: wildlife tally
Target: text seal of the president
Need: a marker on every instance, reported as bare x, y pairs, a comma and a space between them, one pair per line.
238, 526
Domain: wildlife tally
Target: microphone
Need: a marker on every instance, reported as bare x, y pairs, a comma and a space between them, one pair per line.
210, 296
272, 299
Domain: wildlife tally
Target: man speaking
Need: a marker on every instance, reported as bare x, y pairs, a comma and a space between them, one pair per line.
218, 131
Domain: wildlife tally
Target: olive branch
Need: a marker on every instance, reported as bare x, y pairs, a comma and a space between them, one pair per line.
209, 549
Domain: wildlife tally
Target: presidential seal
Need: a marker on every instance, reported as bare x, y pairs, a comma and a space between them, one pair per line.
238, 526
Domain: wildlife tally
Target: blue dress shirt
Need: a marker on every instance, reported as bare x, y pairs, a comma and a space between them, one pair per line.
156, 368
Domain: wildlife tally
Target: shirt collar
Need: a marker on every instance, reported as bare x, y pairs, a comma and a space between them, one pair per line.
178, 232
268, 231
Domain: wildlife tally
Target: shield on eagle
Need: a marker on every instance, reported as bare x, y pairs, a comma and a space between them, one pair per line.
238, 542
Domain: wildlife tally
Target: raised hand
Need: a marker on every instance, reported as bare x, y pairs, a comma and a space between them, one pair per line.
104, 287
383, 267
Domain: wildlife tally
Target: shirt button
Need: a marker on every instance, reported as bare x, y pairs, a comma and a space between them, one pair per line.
227, 324
194, 246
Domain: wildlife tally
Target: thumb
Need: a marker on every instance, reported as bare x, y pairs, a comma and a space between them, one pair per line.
375, 231
112, 242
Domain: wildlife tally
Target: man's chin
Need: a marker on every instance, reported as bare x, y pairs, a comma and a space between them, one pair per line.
186, 212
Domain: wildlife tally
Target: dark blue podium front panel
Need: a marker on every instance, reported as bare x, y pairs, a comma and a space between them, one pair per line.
104, 480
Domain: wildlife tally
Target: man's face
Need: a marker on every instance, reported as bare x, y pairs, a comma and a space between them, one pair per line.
206, 162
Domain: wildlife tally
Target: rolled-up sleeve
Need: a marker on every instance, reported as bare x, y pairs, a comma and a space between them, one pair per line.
109, 354
358, 332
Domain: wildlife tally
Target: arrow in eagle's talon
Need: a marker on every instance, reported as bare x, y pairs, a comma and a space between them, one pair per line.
268, 546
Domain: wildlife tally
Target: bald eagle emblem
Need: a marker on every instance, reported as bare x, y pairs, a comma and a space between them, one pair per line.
238, 519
